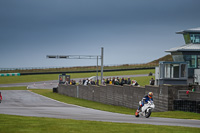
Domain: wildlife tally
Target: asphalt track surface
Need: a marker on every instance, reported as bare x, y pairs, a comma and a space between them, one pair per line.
27, 103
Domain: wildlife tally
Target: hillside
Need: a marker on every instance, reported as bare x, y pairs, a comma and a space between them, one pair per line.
89, 68
164, 58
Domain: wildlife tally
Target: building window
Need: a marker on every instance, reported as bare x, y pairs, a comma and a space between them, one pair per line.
191, 60
195, 38
171, 71
198, 61
175, 71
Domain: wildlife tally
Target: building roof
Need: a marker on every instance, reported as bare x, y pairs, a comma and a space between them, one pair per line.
193, 30
186, 47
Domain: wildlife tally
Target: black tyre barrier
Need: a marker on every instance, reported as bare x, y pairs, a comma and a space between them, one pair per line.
55, 90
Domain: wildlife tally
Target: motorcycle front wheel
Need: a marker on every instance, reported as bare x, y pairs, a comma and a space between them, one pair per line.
147, 113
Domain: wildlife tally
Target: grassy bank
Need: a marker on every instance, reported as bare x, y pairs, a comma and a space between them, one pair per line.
22, 124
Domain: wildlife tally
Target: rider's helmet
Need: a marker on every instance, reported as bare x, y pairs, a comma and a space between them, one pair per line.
150, 94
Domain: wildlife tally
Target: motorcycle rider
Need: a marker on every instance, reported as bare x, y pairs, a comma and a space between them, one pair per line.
145, 100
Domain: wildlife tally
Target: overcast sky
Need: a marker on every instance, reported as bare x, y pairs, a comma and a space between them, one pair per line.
131, 31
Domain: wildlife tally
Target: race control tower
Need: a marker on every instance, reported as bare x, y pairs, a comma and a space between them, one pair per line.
189, 53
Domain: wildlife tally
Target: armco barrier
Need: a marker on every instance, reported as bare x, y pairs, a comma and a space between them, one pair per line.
9, 74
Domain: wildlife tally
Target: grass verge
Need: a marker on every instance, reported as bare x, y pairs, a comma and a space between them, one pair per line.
22, 124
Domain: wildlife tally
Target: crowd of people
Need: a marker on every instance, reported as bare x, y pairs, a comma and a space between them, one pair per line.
118, 81
109, 81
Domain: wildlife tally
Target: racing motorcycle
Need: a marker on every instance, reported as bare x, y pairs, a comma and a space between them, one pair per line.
146, 109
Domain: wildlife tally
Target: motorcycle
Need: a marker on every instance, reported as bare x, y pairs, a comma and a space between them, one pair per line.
146, 109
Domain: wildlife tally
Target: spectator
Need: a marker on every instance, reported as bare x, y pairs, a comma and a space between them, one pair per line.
122, 81
152, 81
103, 82
73, 82
66, 82
113, 80
150, 74
97, 83
116, 82
192, 88
110, 81
135, 83
107, 81
187, 92
80, 82
125, 81
89, 81
92, 82
129, 81
84, 81
118, 79
60, 79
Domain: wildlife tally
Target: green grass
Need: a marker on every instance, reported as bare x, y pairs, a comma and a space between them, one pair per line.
14, 88
46, 77
22, 124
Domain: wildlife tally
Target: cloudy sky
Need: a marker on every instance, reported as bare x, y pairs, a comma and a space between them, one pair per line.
131, 31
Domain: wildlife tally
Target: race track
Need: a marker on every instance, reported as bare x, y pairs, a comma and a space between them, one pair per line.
27, 103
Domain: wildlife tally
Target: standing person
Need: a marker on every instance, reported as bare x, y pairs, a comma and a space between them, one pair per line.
103, 82
86, 82
0, 97
116, 82
80, 82
135, 83
97, 83
152, 81
129, 81
110, 81
122, 81
113, 80
107, 81
125, 81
